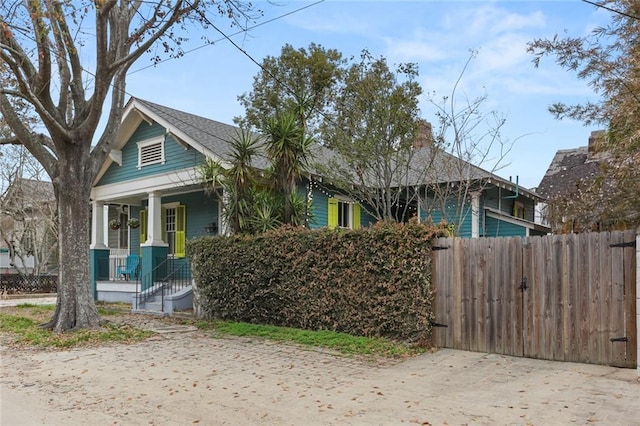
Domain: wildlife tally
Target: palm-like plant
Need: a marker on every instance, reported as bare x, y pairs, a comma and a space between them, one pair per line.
288, 149
236, 180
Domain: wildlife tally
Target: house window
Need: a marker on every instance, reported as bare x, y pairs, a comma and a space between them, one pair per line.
151, 152
174, 229
518, 209
123, 232
170, 229
343, 213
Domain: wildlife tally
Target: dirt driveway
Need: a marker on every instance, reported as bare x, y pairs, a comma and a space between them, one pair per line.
189, 377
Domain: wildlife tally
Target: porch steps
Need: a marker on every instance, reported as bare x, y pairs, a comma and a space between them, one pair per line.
153, 303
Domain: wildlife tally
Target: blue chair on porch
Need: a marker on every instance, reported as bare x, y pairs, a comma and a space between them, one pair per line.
130, 269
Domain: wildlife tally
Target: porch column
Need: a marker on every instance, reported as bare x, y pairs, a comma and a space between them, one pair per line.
97, 225
475, 214
98, 251
154, 220
153, 251
223, 224
418, 209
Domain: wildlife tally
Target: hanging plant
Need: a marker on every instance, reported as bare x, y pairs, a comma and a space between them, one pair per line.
133, 223
114, 224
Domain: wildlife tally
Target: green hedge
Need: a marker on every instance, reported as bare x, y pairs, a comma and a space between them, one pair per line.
372, 282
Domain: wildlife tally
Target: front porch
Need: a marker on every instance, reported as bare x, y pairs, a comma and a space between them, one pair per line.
165, 289
146, 264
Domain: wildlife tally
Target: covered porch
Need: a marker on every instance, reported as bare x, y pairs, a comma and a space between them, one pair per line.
138, 244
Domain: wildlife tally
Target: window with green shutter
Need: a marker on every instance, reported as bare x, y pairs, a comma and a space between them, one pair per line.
343, 214
174, 228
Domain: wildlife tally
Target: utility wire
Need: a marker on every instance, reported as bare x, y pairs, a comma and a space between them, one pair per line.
244, 30
225, 37
611, 9
268, 72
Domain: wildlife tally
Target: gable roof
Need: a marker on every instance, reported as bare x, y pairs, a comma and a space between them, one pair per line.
567, 169
209, 137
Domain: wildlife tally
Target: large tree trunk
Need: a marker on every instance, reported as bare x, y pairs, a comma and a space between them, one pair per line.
75, 307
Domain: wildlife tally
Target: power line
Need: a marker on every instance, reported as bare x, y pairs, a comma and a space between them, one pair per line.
265, 70
611, 9
225, 37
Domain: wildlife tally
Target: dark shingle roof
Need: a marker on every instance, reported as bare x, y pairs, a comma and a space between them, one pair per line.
215, 135
212, 134
567, 169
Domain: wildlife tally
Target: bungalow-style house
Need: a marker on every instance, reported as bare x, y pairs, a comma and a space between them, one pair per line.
148, 200
28, 239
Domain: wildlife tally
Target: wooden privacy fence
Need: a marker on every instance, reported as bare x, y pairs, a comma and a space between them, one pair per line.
558, 297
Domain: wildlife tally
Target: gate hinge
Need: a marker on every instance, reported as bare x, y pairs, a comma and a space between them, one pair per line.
625, 244
437, 324
619, 339
439, 248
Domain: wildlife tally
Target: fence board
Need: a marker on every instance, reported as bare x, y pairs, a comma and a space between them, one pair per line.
616, 316
630, 301
572, 285
580, 294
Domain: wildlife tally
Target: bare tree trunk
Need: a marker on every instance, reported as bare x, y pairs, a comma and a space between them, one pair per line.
75, 307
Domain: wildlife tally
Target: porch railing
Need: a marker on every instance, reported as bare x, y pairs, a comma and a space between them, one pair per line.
107, 269
168, 277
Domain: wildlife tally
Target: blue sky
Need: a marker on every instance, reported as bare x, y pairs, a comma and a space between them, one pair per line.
437, 35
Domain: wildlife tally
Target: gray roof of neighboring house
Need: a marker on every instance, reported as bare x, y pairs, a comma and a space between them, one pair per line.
567, 169
29, 192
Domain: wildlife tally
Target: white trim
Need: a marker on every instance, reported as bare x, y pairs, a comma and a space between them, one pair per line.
136, 187
158, 140
475, 215
116, 156
509, 219
133, 115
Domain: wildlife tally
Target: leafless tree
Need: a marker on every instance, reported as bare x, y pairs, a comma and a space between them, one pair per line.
45, 46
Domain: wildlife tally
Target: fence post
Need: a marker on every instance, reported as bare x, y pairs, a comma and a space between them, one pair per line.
638, 299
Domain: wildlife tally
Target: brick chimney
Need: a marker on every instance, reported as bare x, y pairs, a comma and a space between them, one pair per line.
424, 135
595, 142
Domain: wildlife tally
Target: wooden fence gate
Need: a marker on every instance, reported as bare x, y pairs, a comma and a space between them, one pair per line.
559, 297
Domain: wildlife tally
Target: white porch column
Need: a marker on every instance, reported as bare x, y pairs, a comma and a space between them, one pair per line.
418, 210
154, 220
475, 214
224, 227
97, 225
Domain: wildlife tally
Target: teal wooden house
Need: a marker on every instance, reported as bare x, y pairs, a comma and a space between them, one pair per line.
148, 200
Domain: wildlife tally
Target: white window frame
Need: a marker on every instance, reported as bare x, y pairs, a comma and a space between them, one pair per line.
349, 203
172, 246
150, 142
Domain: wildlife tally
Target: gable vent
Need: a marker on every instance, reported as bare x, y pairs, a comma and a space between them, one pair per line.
151, 152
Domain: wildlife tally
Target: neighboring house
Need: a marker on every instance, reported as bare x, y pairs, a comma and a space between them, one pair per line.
475, 202
570, 173
152, 175
28, 239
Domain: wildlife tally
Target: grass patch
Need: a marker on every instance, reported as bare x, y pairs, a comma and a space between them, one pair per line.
341, 342
22, 323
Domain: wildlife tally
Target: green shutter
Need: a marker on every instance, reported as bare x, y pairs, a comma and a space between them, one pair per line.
143, 226
163, 223
181, 231
332, 213
356, 216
